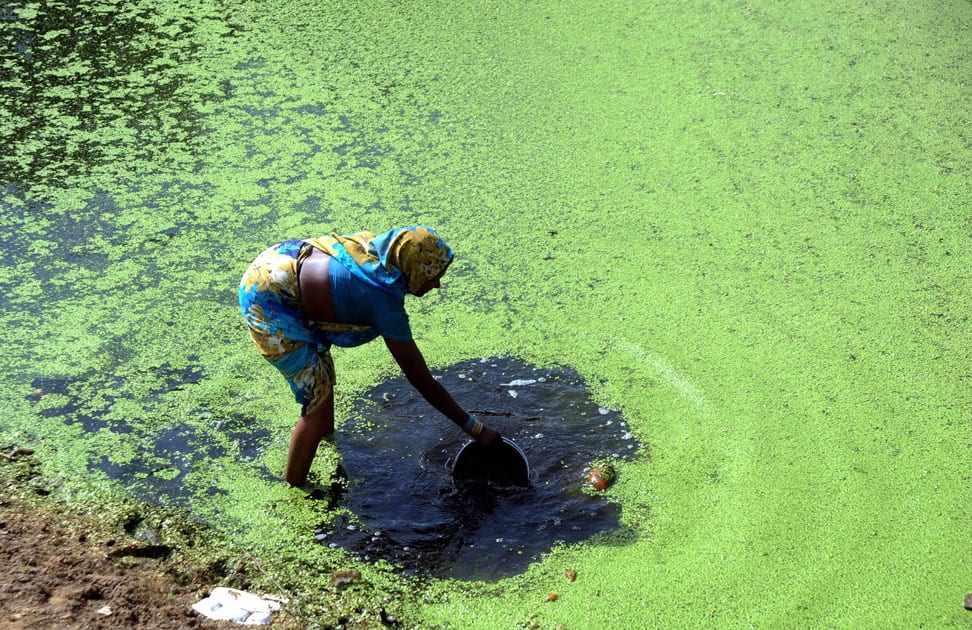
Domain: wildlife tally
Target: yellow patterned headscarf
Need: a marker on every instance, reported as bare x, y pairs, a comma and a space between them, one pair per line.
404, 258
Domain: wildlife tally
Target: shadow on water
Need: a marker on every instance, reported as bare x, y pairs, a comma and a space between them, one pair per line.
403, 506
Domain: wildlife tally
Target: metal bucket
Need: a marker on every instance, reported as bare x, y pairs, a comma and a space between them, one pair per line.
502, 464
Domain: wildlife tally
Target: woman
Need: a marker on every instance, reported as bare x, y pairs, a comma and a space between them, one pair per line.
300, 297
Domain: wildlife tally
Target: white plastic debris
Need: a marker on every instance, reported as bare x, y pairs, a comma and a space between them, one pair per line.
512, 393
520, 382
230, 604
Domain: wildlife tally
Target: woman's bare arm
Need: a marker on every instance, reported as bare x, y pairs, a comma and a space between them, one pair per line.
410, 359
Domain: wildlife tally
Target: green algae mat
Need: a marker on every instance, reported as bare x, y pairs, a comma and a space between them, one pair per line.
745, 225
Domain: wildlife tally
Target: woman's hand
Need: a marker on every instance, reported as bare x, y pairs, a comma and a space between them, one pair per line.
489, 436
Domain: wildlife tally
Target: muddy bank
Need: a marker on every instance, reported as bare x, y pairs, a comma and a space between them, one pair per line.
104, 563
60, 567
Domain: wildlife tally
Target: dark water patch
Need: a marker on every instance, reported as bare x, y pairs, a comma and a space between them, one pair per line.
90, 401
45, 386
250, 441
159, 469
80, 405
403, 506
161, 216
177, 378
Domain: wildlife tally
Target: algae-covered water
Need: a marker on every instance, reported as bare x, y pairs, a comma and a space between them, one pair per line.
744, 226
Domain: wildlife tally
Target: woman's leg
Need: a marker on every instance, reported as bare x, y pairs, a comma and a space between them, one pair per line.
307, 435
270, 305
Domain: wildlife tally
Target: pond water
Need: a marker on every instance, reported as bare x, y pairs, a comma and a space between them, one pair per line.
402, 505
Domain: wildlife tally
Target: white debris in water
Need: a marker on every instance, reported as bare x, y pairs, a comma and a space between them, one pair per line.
230, 604
499, 540
462, 375
538, 436
603, 411
542, 379
519, 382
320, 536
512, 393
626, 436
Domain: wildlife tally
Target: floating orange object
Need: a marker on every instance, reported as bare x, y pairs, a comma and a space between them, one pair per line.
570, 574
597, 482
552, 597
601, 476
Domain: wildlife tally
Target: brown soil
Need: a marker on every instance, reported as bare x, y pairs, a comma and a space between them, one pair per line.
90, 564
84, 567
54, 575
